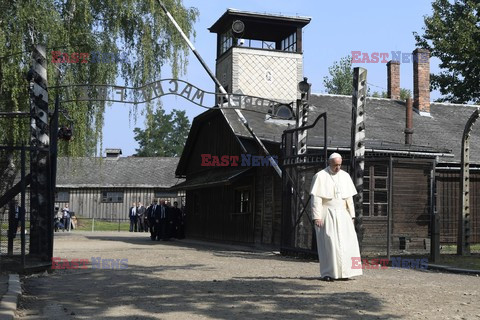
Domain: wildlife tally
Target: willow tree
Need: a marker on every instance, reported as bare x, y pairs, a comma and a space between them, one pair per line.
137, 29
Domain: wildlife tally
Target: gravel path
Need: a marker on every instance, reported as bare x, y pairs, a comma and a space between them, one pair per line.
196, 280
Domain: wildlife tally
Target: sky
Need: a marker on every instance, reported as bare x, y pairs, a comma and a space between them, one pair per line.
336, 29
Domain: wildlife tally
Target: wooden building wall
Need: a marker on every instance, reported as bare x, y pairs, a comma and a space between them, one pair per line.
411, 203
211, 214
410, 208
87, 203
268, 205
376, 226
449, 204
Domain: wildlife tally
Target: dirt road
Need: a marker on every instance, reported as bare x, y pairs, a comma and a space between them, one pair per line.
196, 280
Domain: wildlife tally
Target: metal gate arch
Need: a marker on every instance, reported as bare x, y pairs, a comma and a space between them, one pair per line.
464, 226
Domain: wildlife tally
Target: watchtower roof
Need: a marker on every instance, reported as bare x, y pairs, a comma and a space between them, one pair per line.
260, 26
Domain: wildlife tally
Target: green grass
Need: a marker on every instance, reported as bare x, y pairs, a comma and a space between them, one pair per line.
464, 262
449, 257
474, 248
4, 226
84, 224
4, 231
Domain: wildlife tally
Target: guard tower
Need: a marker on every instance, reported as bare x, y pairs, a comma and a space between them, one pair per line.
260, 54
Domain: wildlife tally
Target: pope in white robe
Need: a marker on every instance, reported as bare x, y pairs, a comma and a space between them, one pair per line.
333, 214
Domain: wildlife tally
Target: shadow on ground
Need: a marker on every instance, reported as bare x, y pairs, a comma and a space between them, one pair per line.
143, 291
218, 249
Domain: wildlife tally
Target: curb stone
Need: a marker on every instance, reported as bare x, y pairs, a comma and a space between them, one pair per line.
452, 269
8, 304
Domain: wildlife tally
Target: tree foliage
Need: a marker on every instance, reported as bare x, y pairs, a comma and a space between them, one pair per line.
404, 94
165, 135
341, 81
341, 77
452, 33
138, 29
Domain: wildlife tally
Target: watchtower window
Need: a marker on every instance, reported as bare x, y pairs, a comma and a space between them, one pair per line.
259, 44
226, 41
274, 32
282, 111
289, 43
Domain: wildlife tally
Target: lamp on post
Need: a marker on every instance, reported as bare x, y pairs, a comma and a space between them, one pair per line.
302, 117
304, 88
301, 155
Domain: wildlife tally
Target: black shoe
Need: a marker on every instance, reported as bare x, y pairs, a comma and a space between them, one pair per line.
327, 278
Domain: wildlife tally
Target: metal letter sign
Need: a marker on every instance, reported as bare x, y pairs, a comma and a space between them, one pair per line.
163, 87
463, 242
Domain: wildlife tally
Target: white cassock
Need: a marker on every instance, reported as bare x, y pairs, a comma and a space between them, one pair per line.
337, 240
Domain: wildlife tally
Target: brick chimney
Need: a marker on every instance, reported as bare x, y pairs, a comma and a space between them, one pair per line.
393, 79
421, 80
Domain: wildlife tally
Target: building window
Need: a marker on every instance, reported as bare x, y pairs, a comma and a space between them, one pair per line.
242, 201
62, 196
375, 192
289, 43
226, 41
112, 196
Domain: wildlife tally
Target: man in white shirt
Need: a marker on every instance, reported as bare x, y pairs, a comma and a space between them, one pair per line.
132, 214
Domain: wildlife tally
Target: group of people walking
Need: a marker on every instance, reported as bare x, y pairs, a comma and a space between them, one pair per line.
160, 219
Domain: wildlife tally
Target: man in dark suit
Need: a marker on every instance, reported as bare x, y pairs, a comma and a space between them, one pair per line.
132, 214
170, 229
178, 226
162, 219
151, 212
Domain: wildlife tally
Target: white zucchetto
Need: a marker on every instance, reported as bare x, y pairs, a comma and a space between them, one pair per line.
334, 155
